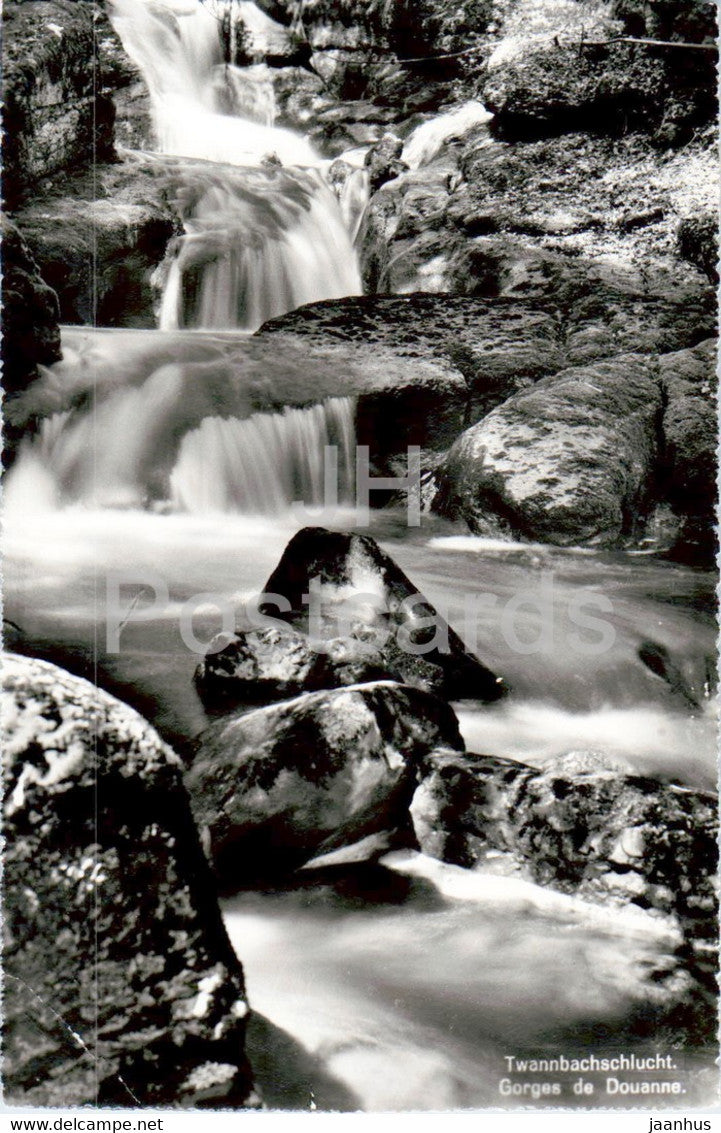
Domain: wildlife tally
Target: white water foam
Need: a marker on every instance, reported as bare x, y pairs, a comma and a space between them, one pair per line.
253, 248
261, 465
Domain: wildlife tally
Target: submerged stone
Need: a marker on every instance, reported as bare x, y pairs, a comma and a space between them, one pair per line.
259, 666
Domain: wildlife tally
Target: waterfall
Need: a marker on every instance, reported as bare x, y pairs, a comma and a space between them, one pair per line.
425, 142
353, 193
265, 463
248, 254
257, 244
109, 454
124, 452
197, 105
245, 92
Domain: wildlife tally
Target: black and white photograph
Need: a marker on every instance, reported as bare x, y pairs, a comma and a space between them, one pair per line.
359, 570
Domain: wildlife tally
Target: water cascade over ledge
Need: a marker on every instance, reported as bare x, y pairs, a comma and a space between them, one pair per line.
259, 465
257, 243
262, 465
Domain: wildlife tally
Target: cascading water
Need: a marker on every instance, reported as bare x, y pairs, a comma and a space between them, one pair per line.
247, 256
257, 244
415, 994
350, 180
194, 92
427, 139
265, 463
259, 241
245, 92
259, 465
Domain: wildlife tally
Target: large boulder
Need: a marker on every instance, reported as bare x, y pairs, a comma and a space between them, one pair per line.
566, 462
560, 88
263, 665
502, 344
612, 837
331, 584
688, 379
121, 987
273, 787
499, 347
567, 67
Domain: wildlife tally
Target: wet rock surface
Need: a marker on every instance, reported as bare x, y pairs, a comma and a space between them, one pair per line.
554, 218
501, 344
498, 348
31, 334
566, 462
260, 666
98, 239
614, 839
328, 584
331, 579
611, 837
688, 380
273, 787
63, 66
121, 987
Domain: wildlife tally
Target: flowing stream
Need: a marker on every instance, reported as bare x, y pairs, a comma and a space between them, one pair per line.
258, 242
388, 986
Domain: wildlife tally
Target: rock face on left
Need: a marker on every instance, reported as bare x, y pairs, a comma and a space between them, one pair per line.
121, 987
58, 113
31, 335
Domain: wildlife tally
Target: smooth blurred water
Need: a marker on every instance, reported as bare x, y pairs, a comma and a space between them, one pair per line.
404, 988
255, 245
159, 485
563, 697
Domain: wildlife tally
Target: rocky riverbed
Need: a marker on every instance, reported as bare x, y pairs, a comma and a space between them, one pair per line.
482, 230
